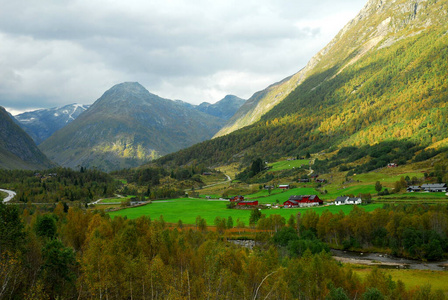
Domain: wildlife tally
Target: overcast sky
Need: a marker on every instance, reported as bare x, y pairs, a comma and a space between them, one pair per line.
57, 52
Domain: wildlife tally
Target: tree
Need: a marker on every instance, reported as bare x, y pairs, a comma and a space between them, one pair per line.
45, 226
58, 268
229, 222
11, 228
255, 215
378, 186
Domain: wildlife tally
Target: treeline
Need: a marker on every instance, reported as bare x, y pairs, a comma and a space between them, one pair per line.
59, 184
152, 175
413, 231
85, 255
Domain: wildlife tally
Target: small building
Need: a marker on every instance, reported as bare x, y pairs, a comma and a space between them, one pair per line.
345, 200
304, 180
283, 186
434, 187
302, 201
413, 188
248, 203
392, 165
237, 199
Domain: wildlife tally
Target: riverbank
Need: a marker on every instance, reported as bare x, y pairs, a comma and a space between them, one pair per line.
386, 261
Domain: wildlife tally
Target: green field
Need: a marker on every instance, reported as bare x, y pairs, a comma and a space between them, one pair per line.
415, 278
187, 210
288, 164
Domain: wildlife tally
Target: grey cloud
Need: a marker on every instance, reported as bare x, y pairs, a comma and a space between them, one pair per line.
72, 51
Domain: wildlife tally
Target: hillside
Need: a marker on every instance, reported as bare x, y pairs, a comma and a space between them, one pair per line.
383, 77
41, 124
126, 127
17, 149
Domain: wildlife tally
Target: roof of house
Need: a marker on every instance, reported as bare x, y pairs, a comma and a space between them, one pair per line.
434, 185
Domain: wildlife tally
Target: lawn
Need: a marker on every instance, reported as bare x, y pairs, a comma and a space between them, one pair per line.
288, 164
188, 209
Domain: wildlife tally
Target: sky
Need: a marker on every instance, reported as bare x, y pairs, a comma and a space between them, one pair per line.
58, 52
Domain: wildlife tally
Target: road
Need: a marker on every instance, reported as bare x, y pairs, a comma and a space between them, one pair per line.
11, 194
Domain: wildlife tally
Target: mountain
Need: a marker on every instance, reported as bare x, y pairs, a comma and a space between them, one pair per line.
17, 149
224, 109
41, 124
127, 126
384, 77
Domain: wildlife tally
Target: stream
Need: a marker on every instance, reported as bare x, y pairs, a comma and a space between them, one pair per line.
387, 261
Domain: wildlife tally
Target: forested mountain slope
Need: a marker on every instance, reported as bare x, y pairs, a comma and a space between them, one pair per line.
17, 149
383, 77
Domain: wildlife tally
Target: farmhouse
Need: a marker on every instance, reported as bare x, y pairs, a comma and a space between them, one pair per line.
283, 186
248, 203
304, 180
344, 200
302, 201
413, 188
237, 199
392, 165
434, 187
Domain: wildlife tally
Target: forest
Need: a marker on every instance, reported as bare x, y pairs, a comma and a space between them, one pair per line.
77, 254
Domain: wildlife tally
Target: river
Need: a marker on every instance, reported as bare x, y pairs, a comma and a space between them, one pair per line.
387, 261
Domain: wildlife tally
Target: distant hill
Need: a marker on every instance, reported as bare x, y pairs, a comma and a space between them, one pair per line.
41, 124
126, 127
384, 77
17, 149
224, 109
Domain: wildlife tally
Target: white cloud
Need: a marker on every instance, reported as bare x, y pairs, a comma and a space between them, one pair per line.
58, 52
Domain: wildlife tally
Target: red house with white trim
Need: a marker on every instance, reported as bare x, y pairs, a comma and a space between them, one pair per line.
302, 201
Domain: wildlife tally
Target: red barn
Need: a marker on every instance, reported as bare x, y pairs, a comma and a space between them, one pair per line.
302, 200
250, 203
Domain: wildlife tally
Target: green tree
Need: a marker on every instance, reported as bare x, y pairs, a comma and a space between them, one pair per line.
255, 215
378, 186
58, 268
46, 226
229, 222
11, 228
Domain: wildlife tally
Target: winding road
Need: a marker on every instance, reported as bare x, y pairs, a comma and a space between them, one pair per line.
11, 195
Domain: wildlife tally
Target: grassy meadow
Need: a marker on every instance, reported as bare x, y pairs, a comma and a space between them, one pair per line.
187, 210
414, 278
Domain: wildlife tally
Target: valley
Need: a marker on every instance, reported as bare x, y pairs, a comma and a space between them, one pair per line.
142, 197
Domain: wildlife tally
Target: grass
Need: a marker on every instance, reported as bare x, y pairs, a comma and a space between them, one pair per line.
3, 195
188, 209
414, 278
288, 164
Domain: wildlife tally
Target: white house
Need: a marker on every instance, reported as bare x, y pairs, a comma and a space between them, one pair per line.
344, 200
